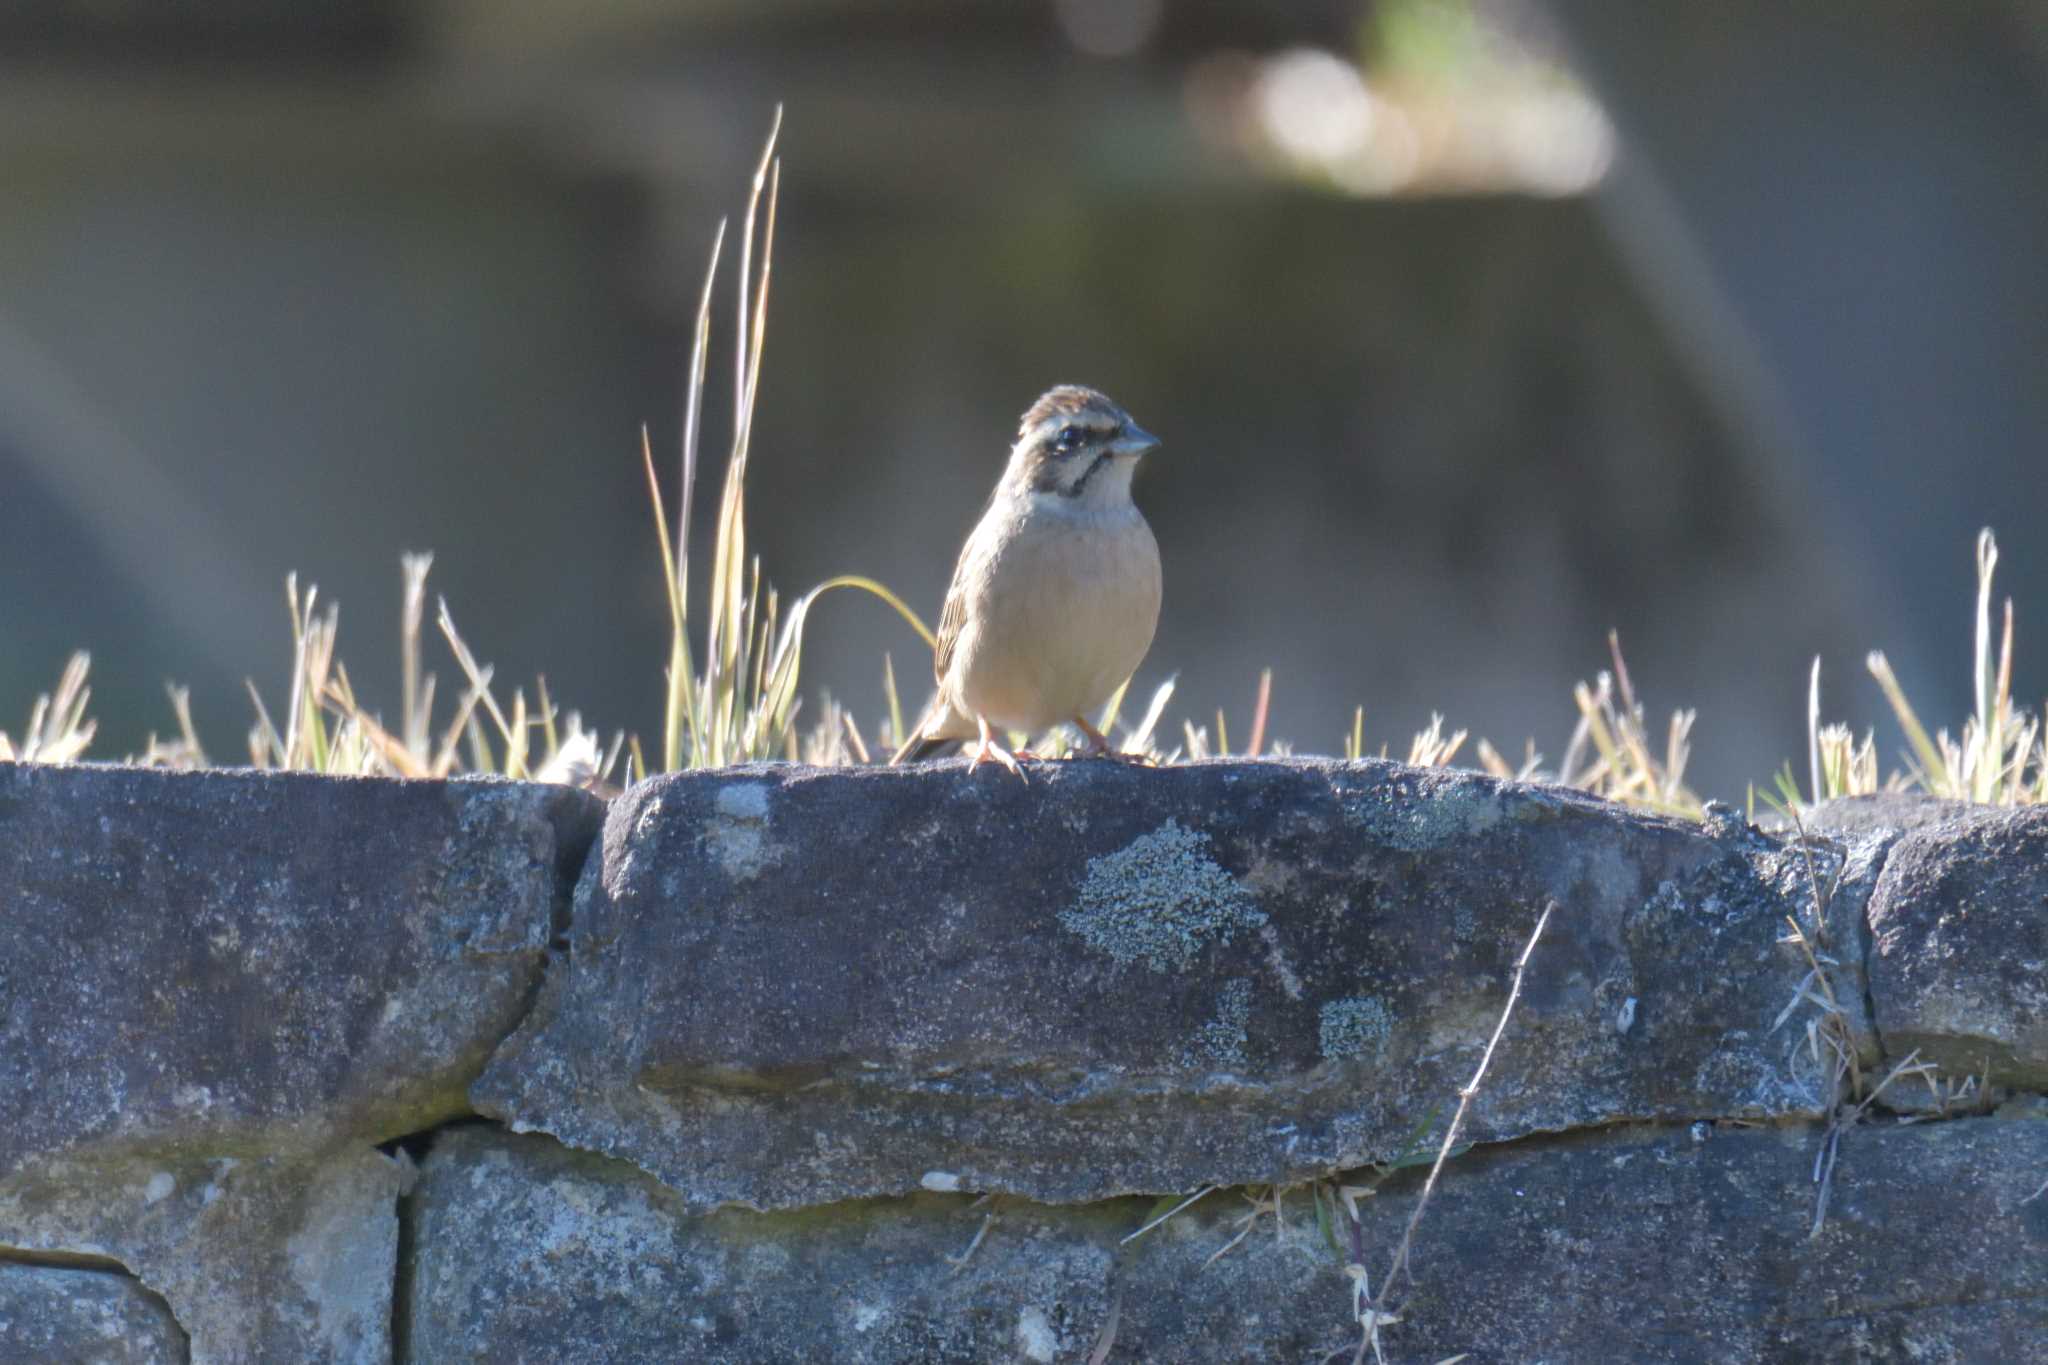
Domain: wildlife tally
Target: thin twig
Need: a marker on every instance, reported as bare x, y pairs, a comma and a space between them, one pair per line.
959, 1262
1106, 1338
1465, 1098
1197, 1196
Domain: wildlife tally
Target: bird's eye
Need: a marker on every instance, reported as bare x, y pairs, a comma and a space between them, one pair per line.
1069, 438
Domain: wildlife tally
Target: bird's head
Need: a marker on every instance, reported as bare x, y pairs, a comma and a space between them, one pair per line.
1077, 446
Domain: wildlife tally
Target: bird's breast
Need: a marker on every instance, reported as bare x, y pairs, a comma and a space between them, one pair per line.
1061, 616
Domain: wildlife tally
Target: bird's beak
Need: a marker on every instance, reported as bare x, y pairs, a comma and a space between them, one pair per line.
1134, 440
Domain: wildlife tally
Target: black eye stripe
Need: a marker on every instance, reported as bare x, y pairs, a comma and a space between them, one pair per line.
1073, 436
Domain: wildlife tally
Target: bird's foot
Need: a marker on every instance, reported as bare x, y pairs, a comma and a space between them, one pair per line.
988, 751
1098, 746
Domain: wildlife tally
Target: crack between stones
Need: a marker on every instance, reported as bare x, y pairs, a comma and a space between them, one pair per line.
1869, 942
1915, 1306
414, 1148
578, 841
1132, 1203
96, 1263
1559, 1138
64, 1260
400, 1330
579, 845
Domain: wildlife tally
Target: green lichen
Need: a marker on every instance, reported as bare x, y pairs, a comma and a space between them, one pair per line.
1355, 1026
1221, 1041
1439, 810
1160, 899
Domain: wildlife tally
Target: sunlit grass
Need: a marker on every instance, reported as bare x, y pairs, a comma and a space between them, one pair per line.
742, 702
327, 729
742, 705
1612, 752
731, 689
58, 730
1998, 757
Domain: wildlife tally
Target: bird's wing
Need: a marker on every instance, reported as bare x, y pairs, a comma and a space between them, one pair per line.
952, 619
953, 616
929, 731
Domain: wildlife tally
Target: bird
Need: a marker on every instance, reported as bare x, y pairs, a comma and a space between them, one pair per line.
1056, 595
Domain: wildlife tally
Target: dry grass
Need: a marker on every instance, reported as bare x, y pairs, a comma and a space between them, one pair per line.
734, 667
58, 730
327, 729
741, 703
2000, 754
1612, 752
1828, 1038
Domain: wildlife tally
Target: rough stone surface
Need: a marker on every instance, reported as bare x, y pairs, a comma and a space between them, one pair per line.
1647, 1245
83, 1316
785, 987
250, 963
259, 1259
1959, 936
1884, 813
591, 1260
1695, 1246
860, 1000
221, 989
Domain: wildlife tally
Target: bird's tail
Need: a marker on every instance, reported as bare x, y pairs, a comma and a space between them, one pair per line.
918, 746
935, 727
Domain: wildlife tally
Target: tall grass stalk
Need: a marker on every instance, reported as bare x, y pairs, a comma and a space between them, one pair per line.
2000, 755
743, 702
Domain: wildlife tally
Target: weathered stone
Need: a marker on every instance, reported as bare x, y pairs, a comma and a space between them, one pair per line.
259, 1259
1653, 1247
587, 1259
785, 987
1636, 1244
1881, 813
253, 963
83, 1316
1959, 933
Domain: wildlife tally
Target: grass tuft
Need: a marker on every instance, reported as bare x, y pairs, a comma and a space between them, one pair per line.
741, 703
731, 692
328, 730
2000, 755
58, 729
1612, 752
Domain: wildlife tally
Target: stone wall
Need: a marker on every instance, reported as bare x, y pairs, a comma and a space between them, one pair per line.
774, 1064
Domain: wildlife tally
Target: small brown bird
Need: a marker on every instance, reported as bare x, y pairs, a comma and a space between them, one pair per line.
1056, 594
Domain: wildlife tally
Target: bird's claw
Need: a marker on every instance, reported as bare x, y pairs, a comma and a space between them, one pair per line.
1098, 746
988, 751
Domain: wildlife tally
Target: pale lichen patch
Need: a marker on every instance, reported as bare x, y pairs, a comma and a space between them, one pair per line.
1161, 898
737, 834
1221, 1041
1354, 1027
1036, 1337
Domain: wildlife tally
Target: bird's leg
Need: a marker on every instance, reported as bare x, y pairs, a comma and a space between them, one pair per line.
990, 751
1099, 746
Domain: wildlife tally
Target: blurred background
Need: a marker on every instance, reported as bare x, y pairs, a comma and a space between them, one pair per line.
1474, 328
